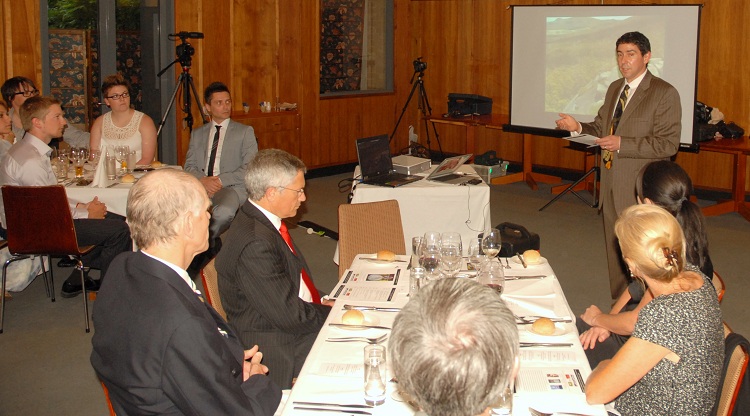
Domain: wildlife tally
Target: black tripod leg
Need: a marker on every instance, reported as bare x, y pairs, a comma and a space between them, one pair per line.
424, 105
408, 100
204, 116
171, 103
594, 170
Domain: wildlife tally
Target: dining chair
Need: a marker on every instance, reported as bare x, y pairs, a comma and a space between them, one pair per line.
211, 283
368, 228
736, 360
39, 222
719, 285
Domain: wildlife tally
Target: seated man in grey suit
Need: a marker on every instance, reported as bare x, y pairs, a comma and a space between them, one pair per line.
218, 155
454, 348
159, 347
264, 281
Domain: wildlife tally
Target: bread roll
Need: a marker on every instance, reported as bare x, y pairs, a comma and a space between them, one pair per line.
127, 178
543, 326
386, 255
156, 164
531, 256
353, 317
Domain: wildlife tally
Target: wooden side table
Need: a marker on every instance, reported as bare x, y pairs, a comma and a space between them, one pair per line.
739, 149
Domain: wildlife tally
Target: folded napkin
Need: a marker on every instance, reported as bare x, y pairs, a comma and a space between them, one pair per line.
100, 174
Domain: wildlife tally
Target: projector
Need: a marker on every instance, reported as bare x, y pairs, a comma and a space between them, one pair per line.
410, 165
489, 172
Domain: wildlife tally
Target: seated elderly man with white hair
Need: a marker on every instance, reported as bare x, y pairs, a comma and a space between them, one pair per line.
454, 348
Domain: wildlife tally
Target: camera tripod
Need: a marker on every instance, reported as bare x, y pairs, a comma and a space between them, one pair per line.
424, 107
596, 171
184, 83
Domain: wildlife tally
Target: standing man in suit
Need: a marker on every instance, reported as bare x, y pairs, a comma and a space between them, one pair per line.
218, 156
159, 347
638, 123
264, 281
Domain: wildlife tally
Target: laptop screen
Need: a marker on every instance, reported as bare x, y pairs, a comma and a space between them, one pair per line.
449, 165
374, 154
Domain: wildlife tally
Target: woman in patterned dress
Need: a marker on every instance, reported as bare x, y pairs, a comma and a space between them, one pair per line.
123, 125
671, 365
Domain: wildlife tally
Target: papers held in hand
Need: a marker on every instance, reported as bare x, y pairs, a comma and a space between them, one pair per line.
585, 139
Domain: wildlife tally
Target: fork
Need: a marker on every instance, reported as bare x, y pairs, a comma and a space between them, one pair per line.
360, 339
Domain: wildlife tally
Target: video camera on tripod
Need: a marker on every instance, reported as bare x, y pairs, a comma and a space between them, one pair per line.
185, 50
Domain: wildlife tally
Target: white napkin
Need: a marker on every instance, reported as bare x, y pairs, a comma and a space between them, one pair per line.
100, 174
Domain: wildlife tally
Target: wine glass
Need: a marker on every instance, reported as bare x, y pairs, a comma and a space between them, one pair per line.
476, 255
429, 254
491, 243
450, 257
452, 238
493, 276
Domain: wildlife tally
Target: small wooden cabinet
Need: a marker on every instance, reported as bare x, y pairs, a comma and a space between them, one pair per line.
274, 130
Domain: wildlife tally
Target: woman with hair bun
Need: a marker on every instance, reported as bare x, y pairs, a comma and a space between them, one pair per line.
671, 365
665, 184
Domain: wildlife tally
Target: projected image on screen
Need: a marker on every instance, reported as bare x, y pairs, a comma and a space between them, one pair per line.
564, 58
578, 85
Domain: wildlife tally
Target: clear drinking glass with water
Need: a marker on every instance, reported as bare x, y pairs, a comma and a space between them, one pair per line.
375, 374
476, 255
491, 243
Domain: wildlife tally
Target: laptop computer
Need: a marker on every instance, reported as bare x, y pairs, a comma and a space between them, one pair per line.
445, 172
374, 154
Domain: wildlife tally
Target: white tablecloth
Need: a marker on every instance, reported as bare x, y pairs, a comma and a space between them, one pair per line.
435, 206
316, 383
115, 197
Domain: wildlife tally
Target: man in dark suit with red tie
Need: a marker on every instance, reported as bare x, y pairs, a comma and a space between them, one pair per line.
264, 281
158, 347
638, 124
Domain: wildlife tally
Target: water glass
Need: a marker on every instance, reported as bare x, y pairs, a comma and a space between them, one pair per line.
415, 242
375, 374
416, 280
132, 160
504, 405
492, 275
111, 166
121, 154
491, 243
476, 255
450, 258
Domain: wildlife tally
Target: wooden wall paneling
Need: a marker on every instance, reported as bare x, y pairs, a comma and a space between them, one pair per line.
405, 49
21, 40
309, 97
188, 14
340, 125
255, 47
290, 68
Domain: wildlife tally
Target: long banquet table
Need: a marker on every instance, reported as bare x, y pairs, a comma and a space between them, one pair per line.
550, 378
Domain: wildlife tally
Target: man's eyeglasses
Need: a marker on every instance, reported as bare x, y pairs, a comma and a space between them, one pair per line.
118, 96
29, 93
300, 191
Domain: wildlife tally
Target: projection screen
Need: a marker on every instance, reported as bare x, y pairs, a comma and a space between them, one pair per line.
563, 59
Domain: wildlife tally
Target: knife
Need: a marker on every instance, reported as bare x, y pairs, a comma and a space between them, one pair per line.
537, 276
111, 185
532, 319
358, 326
323, 409
356, 406
545, 344
520, 257
371, 308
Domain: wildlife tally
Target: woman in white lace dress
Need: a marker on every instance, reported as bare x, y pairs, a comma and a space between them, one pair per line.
123, 125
